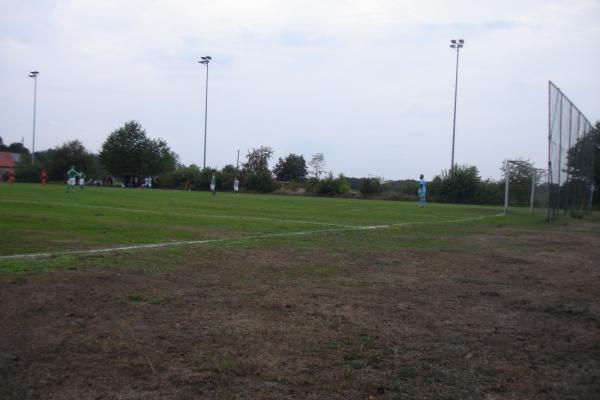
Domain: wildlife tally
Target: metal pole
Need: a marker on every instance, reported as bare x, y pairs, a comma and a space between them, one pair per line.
568, 181
205, 117
237, 165
34, 111
560, 123
454, 119
507, 179
549, 177
533, 185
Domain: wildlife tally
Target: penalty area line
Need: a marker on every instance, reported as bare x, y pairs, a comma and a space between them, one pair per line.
238, 239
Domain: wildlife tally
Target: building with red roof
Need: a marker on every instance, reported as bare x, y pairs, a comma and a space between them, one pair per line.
8, 161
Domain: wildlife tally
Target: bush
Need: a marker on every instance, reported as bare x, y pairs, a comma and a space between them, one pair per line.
259, 181
489, 192
369, 186
460, 185
25, 172
330, 186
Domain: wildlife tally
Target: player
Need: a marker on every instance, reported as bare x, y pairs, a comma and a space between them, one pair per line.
213, 185
422, 191
236, 184
11, 177
71, 179
81, 180
43, 178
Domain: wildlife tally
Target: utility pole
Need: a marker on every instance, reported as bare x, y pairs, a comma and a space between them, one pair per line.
455, 44
34, 75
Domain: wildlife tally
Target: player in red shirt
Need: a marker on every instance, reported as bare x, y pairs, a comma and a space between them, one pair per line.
44, 178
11, 177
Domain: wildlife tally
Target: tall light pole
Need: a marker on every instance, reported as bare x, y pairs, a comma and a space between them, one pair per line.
34, 75
455, 44
205, 61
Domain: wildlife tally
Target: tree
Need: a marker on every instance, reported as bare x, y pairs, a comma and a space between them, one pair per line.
317, 164
370, 185
459, 186
257, 160
57, 161
18, 148
583, 161
256, 174
129, 152
292, 168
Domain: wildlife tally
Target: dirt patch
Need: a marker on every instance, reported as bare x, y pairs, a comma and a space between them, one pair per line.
516, 317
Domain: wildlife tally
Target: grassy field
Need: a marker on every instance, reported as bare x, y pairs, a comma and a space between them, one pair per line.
152, 294
46, 219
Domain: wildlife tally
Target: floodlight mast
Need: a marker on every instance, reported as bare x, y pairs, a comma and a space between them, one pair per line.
205, 60
34, 75
455, 44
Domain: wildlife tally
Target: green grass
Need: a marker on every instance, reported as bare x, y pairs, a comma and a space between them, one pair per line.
35, 219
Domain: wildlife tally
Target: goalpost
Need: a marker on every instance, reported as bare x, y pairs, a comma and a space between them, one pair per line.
536, 174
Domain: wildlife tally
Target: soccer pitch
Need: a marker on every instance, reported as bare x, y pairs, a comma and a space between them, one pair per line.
155, 294
46, 220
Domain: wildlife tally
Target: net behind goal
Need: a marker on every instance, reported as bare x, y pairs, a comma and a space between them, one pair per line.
571, 157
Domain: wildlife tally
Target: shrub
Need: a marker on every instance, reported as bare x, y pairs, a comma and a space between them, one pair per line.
259, 181
369, 186
330, 186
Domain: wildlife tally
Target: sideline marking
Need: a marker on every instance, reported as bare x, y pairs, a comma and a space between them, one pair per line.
143, 211
242, 238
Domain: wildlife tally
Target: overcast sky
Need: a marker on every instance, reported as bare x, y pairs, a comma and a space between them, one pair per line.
368, 83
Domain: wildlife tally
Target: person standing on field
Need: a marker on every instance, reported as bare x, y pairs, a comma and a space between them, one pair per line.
236, 184
81, 180
213, 185
43, 178
11, 177
71, 179
422, 191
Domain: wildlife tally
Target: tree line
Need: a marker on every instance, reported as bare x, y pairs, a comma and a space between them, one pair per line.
128, 153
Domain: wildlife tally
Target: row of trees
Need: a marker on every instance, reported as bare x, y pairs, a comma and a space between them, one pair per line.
128, 152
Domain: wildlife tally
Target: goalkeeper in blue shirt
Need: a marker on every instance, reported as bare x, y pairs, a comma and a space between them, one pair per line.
422, 191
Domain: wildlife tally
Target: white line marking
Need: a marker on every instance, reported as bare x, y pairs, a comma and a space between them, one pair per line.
143, 211
243, 238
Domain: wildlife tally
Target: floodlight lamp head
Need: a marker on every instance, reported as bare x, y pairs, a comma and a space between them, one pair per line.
453, 41
32, 76
34, 72
461, 41
208, 58
453, 46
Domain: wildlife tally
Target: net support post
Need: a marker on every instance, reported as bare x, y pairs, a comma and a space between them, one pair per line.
533, 185
506, 182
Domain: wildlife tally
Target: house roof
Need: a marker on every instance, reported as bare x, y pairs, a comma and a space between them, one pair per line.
8, 160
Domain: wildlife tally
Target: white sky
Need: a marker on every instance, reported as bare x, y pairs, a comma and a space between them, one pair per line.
368, 83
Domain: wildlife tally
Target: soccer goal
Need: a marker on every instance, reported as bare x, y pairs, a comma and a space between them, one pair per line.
524, 186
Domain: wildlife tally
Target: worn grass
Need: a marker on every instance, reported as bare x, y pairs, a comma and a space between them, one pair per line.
500, 307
